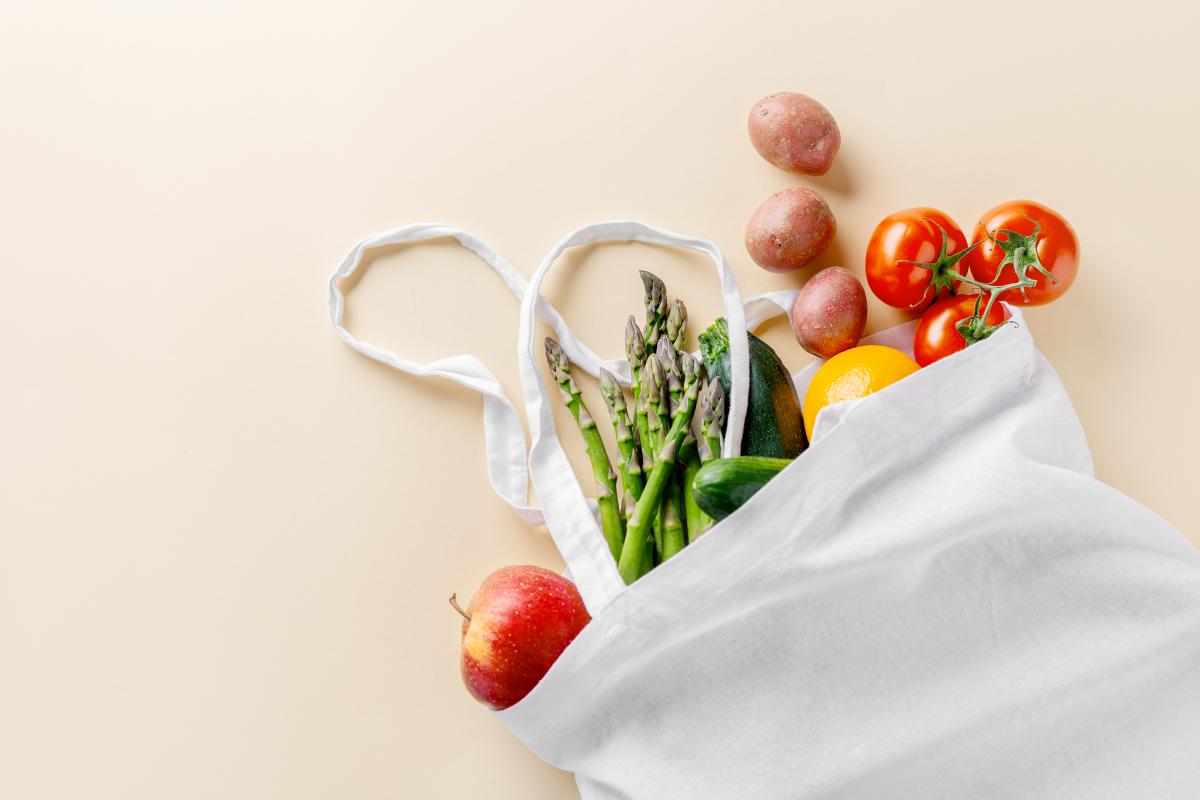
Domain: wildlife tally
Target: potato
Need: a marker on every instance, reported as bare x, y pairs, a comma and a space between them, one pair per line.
795, 133
789, 230
830, 312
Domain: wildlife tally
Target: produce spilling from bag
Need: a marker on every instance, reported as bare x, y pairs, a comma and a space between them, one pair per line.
665, 485
892, 574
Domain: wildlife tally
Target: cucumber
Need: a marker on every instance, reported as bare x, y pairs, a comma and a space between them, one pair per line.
724, 485
774, 425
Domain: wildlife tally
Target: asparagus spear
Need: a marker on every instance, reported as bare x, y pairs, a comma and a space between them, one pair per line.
611, 520
710, 410
654, 405
669, 358
631, 461
673, 535
677, 325
654, 400
712, 421
696, 520
646, 509
690, 369
655, 301
656, 306
635, 353
680, 491
676, 508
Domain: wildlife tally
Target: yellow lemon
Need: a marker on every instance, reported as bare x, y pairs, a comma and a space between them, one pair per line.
852, 373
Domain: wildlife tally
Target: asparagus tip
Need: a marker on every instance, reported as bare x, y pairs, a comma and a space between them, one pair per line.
609, 385
712, 404
666, 352
557, 360
690, 369
653, 379
656, 294
635, 342
651, 282
677, 324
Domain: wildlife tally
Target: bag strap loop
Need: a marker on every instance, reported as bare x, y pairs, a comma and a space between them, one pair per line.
504, 435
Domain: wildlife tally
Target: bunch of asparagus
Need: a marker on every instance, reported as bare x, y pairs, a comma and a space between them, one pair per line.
675, 426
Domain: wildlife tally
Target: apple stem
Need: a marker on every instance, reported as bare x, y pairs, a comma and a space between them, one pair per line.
458, 608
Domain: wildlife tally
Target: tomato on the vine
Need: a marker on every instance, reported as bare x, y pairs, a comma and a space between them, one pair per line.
912, 258
1032, 235
940, 334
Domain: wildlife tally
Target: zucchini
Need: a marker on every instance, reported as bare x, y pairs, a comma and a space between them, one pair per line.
774, 425
724, 485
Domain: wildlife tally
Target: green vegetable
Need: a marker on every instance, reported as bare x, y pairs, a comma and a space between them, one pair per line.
673, 537
689, 457
677, 325
679, 371
654, 403
611, 521
712, 421
656, 307
774, 425
672, 370
631, 461
647, 508
695, 452
635, 353
723, 486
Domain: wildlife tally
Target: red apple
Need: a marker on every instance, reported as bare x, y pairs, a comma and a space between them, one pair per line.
516, 626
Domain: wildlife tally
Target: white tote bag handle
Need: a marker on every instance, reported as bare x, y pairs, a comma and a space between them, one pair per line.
767, 306
504, 435
568, 515
509, 465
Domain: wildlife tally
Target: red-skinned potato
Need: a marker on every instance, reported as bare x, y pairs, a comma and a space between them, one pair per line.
518, 623
790, 229
830, 312
795, 133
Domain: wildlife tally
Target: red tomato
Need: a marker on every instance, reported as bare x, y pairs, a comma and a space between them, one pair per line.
1057, 251
938, 335
914, 235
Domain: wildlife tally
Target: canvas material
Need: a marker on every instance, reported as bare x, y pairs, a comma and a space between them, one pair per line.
936, 600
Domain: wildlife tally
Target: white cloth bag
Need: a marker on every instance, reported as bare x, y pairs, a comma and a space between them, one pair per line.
936, 600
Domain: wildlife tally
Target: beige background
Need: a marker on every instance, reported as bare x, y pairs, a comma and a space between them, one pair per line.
227, 540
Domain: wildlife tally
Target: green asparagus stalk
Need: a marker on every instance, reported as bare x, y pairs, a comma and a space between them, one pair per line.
654, 403
677, 325
655, 301
669, 358
611, 521
712, 421
696, 520
676, 508
631, 461
656, 307
690, 369
673, 535
646, 509
710, 411
635, 353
